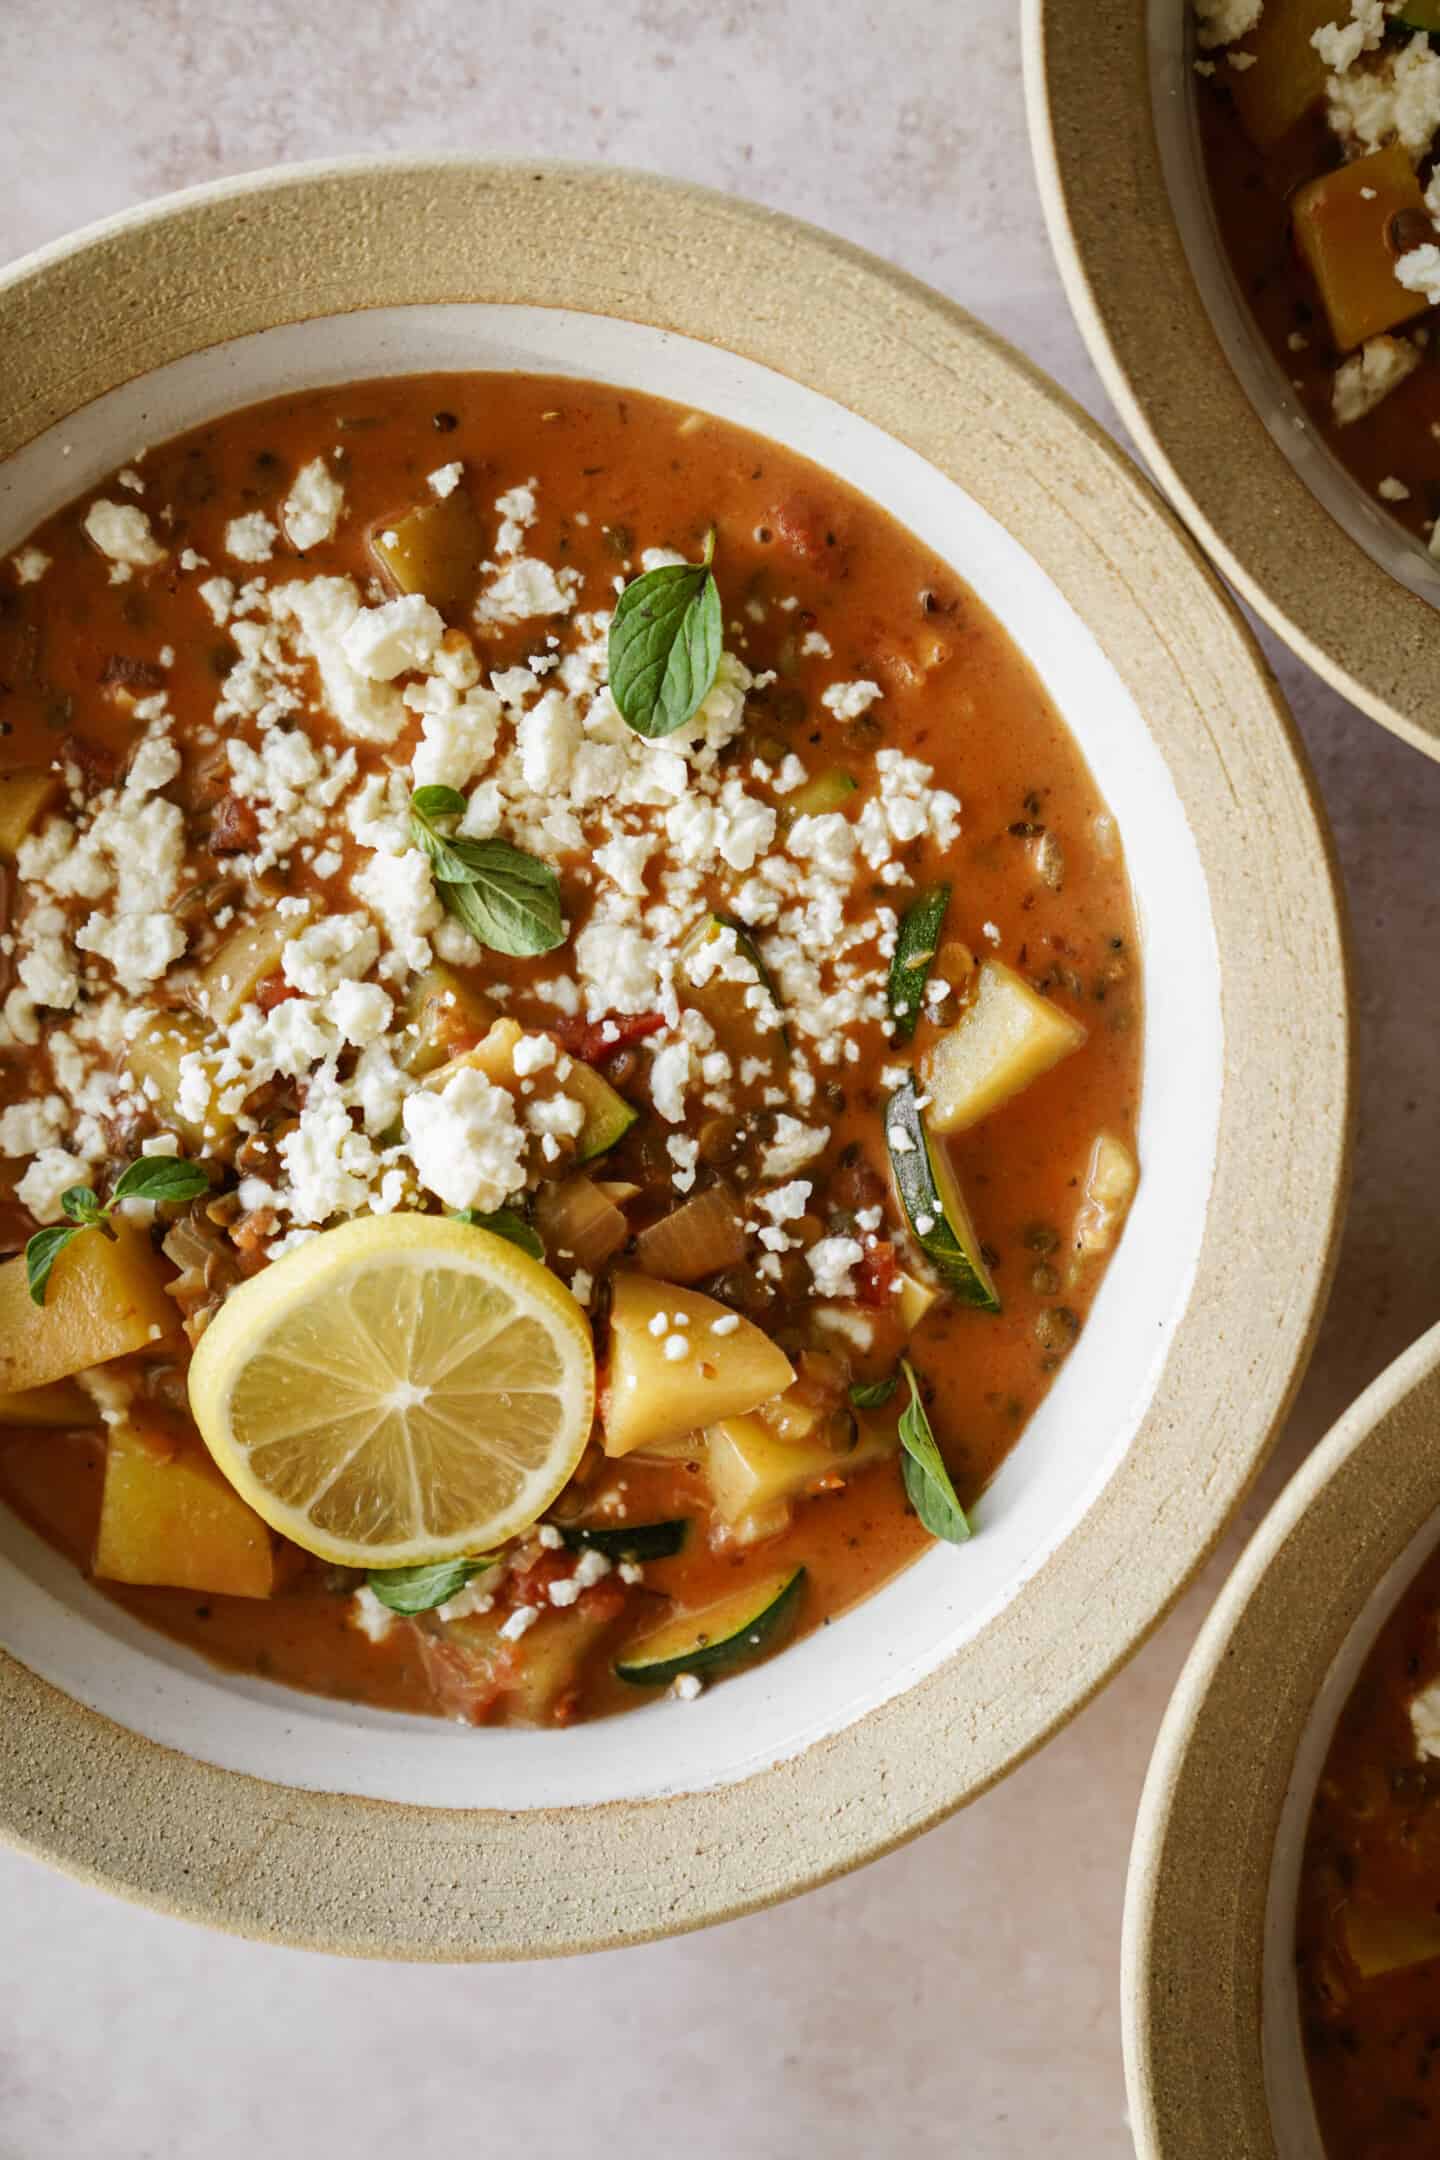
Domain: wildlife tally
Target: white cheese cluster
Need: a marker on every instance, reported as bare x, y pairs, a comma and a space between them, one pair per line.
339, 704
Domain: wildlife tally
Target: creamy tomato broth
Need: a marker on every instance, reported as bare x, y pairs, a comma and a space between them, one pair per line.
1368, 1943
1319, 120
778, 1114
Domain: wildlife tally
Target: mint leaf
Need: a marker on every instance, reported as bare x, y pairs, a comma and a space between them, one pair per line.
504, 1222
433, 802
161, 1177
665, 638
41, 1252
421, 1589
507, 899
81, 1204
927, 1481
874, 1394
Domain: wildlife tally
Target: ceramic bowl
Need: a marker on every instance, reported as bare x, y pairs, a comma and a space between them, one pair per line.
1212, 2023
1113, 127
135, 1763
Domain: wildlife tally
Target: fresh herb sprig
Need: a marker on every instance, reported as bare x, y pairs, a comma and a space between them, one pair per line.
153, 1177
927, 1481
507, 899
503, 1222
665, 638
874, 1394
411, 1590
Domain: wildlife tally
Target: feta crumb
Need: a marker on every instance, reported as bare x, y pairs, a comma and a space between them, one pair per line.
373, 1619
520, 1622
686, 1686
848, 700
445, 479
832, 1263
30, 565
251, 538
465, 1143
311, 511
1381, 364
122, 532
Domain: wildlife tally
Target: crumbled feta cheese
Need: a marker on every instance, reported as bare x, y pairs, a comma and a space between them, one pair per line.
1221, 22
520, 1622
400, 635
251, 538
465, 1143
338, 948
311, 510
373, 1619
445, 479
1394, 97
122, 532
30, 565
848, 700
832, 1263
1369, 375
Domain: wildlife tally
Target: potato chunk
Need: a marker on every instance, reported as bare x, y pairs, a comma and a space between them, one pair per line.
1342, 228
154, 1058
749, 1469
1289, 75
650, 1395
1006, 1038
435, 549
233, 974
24, 799
1110, 1183
55, 1407
173, 1523
106, 1297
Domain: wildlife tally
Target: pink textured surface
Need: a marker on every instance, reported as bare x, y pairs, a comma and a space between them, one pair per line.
961, 1994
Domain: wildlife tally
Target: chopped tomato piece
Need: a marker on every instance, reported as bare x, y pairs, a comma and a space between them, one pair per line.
875, 1277
274, 991
593, 1041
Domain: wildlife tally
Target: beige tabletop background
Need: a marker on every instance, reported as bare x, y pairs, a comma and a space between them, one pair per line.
959, 1998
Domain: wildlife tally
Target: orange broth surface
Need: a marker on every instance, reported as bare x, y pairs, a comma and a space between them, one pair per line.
1038, 881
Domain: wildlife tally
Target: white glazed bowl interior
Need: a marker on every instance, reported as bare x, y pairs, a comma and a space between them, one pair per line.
1287, 2084
1172, 86
58, 1625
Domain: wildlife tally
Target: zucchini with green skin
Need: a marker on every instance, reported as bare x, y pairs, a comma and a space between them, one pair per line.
934, 1205
608, 1117
629, 1541
728, 1633
725, 999
916, 945
816, 798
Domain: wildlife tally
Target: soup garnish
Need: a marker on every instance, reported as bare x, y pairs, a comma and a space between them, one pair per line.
570, 1044
1321, 123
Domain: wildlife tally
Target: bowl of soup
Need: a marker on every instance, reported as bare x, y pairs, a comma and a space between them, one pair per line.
640, 1027
1281, 1958
1237, 198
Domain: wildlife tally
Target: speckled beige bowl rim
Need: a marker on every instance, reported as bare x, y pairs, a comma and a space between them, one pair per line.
1151, 337
1195, 1914
333, 1872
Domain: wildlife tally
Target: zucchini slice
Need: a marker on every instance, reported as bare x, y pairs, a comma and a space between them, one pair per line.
730, 1632
916, 945
815, 798
630, 1541
724, 1001
934, 1204
608, 1117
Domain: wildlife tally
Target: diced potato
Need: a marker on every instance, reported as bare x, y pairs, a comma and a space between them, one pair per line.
51, 1408
442, 1016
24, 799
1006, 1038
550, 1655
749, 1469
247, 958
1342, 228
1110, 1183
1289, 75
435, 549
106, 1297
154, 1058
472, 1667
175, 1523
1385, 1938
913, 1300
650, 1396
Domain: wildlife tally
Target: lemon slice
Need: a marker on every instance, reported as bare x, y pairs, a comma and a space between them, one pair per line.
399, 1390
